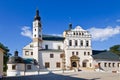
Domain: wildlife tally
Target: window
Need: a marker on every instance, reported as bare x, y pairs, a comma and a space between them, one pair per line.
82, 33
39, 35
35, 35
61, 55
58, 64
84, 53
13, 67
90, 64
31, 46
113, 64
109, 64
46, 46
76, 43
47, 64
29, 67
26, 53
81, 42
59, 47
79, 33
51, 55
99, 64
118, 64
105, 64
74, 33
87, 43
72, 53
31, 53
88, 53
70, 42
76, 53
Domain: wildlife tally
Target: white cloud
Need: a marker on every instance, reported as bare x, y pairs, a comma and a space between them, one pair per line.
26, 32
118, 20
102, 34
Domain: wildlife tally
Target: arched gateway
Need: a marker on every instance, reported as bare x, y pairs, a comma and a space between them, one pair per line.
74, 61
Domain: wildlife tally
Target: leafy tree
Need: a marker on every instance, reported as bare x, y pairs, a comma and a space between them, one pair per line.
6, 56
115, 49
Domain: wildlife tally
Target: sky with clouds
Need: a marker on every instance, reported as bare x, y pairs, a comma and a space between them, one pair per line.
100, 17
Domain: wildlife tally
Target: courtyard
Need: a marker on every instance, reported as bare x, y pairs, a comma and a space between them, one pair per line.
82, 75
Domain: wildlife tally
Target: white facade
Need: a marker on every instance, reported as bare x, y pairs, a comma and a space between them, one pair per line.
71, 51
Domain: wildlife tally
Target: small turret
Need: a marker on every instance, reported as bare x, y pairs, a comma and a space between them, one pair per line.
37, 17
16, 53
70, 26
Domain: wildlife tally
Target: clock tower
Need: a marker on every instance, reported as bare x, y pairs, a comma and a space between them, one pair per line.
37, 35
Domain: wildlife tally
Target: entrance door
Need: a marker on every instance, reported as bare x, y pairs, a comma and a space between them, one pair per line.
84, 64
74, 64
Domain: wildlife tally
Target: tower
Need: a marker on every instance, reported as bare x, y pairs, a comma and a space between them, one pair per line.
37, 35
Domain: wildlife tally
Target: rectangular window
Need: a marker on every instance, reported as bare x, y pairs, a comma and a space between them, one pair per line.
27, 53
31, 53
72, 53
81, 42
13, 67
46, 46
76, 43
29, 67
47, 64
84, 53
58, 64
70, 42
118, 64
61, 55
51, 55
76, 53
59, 47
87, 43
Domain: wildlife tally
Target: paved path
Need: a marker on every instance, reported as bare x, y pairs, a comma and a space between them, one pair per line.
70, 76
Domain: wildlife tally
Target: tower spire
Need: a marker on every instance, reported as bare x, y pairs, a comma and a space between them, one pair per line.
37, 17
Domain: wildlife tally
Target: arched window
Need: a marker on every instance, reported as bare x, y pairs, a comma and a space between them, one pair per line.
113, 65
70, 42
109, 64
105, 64
88, 53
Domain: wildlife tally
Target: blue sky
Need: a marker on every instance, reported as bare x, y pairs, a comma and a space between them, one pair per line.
100, 17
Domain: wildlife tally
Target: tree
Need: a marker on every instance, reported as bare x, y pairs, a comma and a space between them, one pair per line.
6, 56
115, 49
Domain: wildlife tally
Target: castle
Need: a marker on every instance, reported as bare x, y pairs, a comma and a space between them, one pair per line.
68, 52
